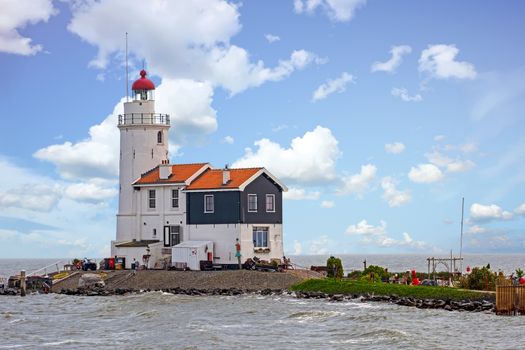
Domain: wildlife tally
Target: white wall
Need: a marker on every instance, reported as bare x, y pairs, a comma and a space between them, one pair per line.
222, 236
275, 241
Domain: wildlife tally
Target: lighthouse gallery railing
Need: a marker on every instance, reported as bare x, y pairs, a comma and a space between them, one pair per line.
143, 118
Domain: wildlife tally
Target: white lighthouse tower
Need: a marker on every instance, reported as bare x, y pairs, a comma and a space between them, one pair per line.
143, 146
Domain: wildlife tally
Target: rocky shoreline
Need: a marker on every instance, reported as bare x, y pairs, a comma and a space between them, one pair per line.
449, 305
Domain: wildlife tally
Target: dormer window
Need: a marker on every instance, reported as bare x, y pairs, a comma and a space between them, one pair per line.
159, 137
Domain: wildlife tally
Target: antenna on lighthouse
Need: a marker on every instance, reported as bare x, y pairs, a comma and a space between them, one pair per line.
461, 240
127, 77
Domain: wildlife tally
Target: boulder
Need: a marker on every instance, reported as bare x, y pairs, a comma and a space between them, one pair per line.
91, 280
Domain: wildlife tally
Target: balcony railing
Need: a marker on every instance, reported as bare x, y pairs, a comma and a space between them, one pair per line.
143, 119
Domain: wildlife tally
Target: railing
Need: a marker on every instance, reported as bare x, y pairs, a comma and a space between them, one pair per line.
143, 119
510, 300
45, 268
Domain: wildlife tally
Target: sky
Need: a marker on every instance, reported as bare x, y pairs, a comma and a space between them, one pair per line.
379, 116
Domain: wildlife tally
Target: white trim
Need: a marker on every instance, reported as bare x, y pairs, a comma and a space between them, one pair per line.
213, 202
266, 202
248, 202
257, 174
190, 179
212, 190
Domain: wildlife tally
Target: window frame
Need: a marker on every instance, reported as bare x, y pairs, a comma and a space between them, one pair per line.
160, 138
212, 210
152, 199
260, 235
270, 195
252, 210
175, 198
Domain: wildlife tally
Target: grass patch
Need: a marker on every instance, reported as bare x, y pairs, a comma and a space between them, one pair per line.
332, 286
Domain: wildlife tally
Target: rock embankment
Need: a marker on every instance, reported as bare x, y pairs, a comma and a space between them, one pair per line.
449, 305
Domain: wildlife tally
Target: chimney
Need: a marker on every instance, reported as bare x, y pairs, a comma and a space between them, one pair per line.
164, 170
225, 175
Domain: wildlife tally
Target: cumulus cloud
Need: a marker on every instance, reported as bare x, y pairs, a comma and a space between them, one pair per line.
229, 140
309, 159
439, 61
395, 147
425, 173
393, 196
17, 15
438, 138
327, 204
358, 183
480, 213
319, 246
296, 193
37, 197
364, 228
272, 38
475, 229
520, 210
333, 86
89, 192
403, 94
456, 165
395, 60
337, 10
179, 40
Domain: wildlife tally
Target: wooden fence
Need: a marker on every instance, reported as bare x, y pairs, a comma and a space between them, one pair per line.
510, 300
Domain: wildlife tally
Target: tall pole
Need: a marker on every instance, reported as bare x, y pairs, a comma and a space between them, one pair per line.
127, 77
461, 240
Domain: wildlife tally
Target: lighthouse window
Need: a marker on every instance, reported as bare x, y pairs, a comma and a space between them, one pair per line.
152, 199
159, 137
174, 198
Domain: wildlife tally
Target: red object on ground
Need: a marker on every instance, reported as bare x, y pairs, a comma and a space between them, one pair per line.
468, 268
522, 280
414, 274
415, 281
111, 263
143, 83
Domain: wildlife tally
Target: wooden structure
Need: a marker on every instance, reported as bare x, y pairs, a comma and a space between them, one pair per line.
510, 299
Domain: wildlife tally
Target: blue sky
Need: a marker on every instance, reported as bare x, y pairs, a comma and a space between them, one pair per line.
378, 115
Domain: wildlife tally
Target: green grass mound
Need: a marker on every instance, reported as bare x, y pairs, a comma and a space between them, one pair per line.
332, 286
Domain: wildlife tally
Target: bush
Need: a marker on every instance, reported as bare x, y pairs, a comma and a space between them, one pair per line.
334, 267
481, 278
374, 273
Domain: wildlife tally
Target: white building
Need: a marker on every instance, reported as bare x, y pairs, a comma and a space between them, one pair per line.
162, 205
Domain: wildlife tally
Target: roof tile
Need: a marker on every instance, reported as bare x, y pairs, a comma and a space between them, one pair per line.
212, 179
179, 174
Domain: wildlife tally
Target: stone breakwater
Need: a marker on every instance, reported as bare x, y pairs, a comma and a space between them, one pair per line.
449, 305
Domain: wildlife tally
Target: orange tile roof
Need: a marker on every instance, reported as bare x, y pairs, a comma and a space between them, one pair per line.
212, 179
179, 173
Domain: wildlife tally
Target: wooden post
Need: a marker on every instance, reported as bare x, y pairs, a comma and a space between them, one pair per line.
23, 283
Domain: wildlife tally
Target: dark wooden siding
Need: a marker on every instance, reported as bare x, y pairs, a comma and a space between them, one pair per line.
227, 208
261, 187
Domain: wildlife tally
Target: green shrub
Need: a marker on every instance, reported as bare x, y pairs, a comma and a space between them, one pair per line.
481, 278
374, 273
519, 273
334, 267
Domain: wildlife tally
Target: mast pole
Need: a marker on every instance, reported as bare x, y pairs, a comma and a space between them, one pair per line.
127, 76
461, 240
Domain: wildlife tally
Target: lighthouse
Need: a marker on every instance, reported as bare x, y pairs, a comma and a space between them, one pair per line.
143, 146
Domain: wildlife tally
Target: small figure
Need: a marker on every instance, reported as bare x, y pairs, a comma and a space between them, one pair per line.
134, 266
238, 252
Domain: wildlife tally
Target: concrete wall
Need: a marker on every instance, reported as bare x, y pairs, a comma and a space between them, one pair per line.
223, 237
275, 241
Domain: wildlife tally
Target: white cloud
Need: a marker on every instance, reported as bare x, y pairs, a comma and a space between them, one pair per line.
520, 210
327, 204
393, 196
38, 197
391, 65
272, 38
480, 213
310, 158
297, 248
395, 147
403, 94
333, 86
364, 228
439, 138
179, 40
16, 15
358, 183
475, 229
451, 165
89, 192
337, 10
319, 246
425, 173
229, 140
295, 193
439, 62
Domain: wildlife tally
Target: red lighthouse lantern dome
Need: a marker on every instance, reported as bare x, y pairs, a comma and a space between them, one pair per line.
143, 83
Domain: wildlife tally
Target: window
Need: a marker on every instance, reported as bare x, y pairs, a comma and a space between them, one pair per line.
175, 198
176, 236
260, 237
159, 137
252, 202
152, 199
270, 203
209, 205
